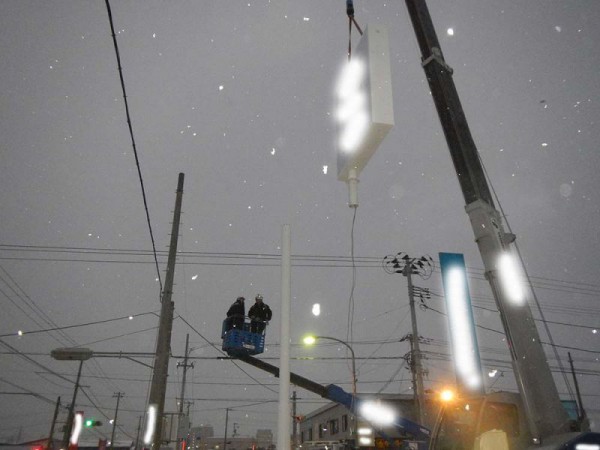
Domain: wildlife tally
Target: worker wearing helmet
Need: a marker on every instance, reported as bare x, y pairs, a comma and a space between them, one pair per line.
260, 314
235, 314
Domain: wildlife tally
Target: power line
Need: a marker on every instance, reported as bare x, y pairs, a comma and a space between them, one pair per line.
264, 259
137, 161
66, 327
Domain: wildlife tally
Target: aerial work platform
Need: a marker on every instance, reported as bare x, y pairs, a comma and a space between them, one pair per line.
241, 341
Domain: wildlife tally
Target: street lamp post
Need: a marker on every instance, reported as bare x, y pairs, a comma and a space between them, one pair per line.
81, 355
310, 340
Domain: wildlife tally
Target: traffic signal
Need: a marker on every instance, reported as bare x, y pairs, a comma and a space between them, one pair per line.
91, 422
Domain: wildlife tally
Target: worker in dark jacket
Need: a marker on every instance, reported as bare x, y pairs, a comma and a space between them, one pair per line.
259, 313
235, 314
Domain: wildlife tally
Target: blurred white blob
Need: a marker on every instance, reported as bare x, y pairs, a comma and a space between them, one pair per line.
316, 309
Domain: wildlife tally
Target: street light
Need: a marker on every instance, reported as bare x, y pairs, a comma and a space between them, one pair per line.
71, 354
311, 340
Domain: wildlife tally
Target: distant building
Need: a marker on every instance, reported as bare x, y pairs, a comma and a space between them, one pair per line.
331, 426
264, 439
206, 431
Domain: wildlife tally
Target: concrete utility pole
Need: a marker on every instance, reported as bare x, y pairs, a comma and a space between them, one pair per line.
181, 437
294, 422
416, 356
582, 414
226, 423
407, 266
51, 436
71, 416
118, 395
137, 435
163, 344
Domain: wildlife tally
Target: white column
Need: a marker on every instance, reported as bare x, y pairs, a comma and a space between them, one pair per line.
283, 422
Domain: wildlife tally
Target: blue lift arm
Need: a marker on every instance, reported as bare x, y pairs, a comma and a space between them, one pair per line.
336, 394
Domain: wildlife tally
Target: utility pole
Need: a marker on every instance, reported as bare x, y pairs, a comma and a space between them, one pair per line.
407, 266
163, 344
416, 356
226, 422
71, 416
137, 435
51, 436
582, 414
112, 436
294, 422
180, 434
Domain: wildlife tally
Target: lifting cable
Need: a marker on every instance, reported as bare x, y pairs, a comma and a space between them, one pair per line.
351, 20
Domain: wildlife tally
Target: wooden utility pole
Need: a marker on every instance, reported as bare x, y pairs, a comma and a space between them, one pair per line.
160, 372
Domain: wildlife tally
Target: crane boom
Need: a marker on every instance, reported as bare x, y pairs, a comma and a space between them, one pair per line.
336, 394
540, 397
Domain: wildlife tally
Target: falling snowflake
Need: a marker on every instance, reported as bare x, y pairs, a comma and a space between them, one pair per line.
325, 170
221, 87
450, 31
194, 277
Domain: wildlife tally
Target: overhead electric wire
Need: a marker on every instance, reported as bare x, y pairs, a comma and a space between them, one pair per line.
137, 160
27, 300
29, 392
575, 325
557, 285
46, 318
66, 327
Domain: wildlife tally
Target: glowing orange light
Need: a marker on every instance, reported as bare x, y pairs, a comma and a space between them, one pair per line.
447, 395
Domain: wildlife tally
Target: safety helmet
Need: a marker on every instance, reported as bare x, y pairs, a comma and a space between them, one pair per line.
259, 297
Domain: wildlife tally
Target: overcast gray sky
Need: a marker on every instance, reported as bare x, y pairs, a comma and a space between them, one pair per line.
238, 96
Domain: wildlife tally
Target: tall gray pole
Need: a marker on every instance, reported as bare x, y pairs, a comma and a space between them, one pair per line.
283, 413
416, 355
160, 372
51, 436
71, 417
112, 436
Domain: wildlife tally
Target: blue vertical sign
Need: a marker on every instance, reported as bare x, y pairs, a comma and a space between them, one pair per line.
465, 350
